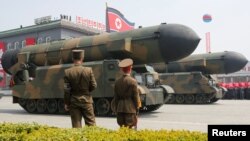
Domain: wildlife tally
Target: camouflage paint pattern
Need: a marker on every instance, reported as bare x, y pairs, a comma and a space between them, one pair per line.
190, 85
48, 85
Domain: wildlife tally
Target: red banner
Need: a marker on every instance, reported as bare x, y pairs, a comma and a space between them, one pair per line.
2, 78
90, 23
30, 41
2, 50
116, 22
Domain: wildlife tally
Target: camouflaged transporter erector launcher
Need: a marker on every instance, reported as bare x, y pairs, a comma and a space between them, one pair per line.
38, 70
193, 79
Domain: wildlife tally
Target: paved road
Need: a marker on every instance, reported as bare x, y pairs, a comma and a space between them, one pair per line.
5, 93
187, 117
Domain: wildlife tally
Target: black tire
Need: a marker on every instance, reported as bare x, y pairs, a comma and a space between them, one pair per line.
103, 107
60, 104
179, 99
200, 99
213, 100
189, 99
41, 106
52, 106
171, 100
22, 102
31, 105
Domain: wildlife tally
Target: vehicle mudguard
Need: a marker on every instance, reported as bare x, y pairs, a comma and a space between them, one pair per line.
168, 91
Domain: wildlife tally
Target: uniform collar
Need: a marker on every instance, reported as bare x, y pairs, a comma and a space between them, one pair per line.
126, 74
77, 64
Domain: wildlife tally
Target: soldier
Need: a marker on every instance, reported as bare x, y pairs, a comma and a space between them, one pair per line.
79, 81
126, 99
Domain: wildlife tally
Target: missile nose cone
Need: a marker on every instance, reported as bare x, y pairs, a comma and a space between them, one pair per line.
177, 41
9, 58
234, 61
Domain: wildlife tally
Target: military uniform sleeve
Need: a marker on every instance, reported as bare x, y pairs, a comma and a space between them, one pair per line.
136, 96
115, 100
93, 84
67, 89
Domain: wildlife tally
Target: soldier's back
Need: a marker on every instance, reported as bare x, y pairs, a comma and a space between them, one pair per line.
124, 89
79, 78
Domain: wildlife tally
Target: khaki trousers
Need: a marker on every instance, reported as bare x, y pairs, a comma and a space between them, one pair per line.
126, 119
86, 112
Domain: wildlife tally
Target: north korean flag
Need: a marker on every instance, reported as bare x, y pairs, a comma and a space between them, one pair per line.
116, 22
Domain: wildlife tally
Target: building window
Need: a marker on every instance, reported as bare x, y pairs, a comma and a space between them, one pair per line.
248, 78
40, 40
228, 80
16, 45
23, 43
48, 39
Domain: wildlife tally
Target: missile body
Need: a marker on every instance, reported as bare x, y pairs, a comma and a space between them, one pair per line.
209, 63
162, 43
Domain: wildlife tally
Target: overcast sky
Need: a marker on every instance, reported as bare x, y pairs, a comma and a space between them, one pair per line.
229, 28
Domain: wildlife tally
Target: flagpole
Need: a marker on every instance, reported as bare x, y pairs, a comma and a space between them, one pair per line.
107, 19
208, 45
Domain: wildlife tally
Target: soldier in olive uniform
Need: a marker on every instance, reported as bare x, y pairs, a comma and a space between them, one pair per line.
126, 99
79, 81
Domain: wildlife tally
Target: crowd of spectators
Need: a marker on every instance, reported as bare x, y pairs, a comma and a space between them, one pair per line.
237, 90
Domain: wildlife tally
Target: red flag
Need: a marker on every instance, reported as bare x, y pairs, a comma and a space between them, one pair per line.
116, 22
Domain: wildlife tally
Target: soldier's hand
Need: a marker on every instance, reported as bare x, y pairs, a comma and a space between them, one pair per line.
66, 107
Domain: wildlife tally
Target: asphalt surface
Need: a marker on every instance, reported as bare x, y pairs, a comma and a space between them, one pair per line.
177, 117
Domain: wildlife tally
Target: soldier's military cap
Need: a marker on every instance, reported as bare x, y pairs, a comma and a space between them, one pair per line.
125, 63
77, 54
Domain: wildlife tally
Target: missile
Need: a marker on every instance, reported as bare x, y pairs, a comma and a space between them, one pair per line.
162, 43
209, 63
